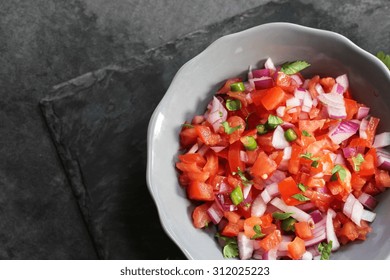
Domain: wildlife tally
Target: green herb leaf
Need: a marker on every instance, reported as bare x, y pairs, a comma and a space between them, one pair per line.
228, 129
385, 58
357, 161
338, 169
230, 250
305, 133
325, 249
241, 174
291, 68
281, 216
302, 187
300, 197
315, 164
288, 224
258, 234
308, 156
233, 104
187, 125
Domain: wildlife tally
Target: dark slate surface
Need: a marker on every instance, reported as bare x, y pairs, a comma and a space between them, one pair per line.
47, 42
99, 122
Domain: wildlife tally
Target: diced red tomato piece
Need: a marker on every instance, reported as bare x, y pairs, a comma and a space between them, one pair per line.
263, 166
327, 83
200, 191
211, 165
273, 98
368, 166
249, 225
188, 137
200, 217
226, 86
207, 136
271, 241
234, 157
303, 230
296, 248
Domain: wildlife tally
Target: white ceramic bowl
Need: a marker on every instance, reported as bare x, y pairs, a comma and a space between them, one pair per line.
195, 83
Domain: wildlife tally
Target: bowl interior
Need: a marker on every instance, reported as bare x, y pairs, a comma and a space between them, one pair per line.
230, 56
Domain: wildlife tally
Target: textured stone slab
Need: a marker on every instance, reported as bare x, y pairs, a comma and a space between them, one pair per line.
99, 121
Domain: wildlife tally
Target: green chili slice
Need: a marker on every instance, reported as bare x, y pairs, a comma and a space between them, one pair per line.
239, 86
237, 196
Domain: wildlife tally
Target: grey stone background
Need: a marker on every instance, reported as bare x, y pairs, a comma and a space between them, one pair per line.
46, 42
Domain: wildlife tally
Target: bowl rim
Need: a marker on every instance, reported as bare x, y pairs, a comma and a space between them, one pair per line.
154, 117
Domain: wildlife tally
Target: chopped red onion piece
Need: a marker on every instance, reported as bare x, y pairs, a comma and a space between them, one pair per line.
352, 151
292, 110
258, 254
248, 96
266, 196
283, 165
382, 140
298, 214
276, 177
278, 139
368, 201
258, 207
246, 190
270, 192
307, 256
348, 205
272, 254
330, 233
319, 89
368, 216
202, 150
216, 114
250, 74
193, 149
313, 250
335, 105
287, 125
362, 112
300, 93
217, 149
244, 156
258, 73
316, 216
215, 213
293, 102
306, 206
263, 82
249, 87
337, 88
269, 64
297, 79
383, 161
319, 228
363, 128
316, 239
339, 159
343, 81
357, 212
225, 203
245, 246
280, 111
343, 131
